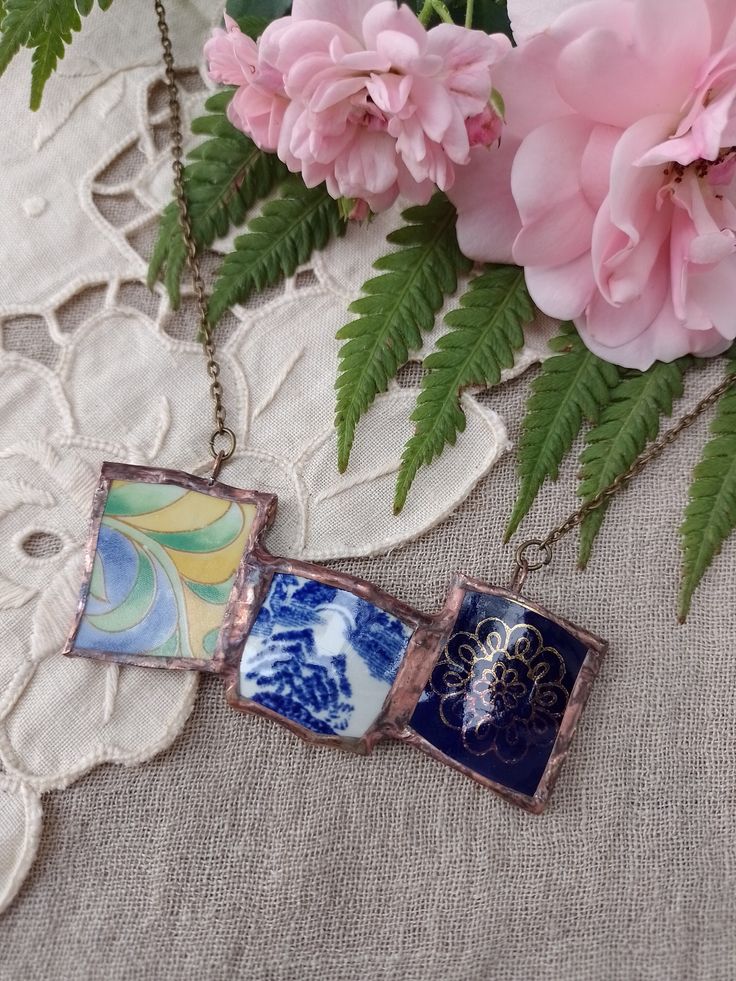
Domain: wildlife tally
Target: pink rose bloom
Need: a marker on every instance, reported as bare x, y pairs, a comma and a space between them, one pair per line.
620, 145
361, 96
259, 104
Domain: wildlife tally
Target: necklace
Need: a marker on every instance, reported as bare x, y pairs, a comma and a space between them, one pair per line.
176, 576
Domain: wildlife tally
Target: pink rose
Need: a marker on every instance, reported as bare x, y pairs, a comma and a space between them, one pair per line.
361, 96
621, 125
259, 104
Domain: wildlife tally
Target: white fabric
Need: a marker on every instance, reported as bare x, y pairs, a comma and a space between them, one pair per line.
92, 367
20, 829
530, 17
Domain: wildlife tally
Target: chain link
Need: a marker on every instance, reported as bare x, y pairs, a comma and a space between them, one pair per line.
545, 546
221, 435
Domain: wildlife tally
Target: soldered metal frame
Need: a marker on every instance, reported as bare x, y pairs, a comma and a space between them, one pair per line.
265, 505
431, 634
423, 644
418, 675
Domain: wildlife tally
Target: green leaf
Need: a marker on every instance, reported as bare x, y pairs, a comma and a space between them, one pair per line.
490, 16
487, 331
225, 176
253, 26
631, 421
23, 22
46, 26
572, 386
267, 9
711, 514
396, 308
62, 20
279, 240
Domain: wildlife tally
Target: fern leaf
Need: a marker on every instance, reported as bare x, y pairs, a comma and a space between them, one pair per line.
397, 306
711, 514
573, 386
47, 27
225, 176
284, 236
626, 426
62, 20
22, 24
487, 331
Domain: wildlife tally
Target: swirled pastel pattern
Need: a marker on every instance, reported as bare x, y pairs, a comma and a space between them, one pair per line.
499, 691
322, 657
164, 567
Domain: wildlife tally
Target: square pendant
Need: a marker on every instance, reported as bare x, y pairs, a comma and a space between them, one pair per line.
166, 555
317, 651
502, 700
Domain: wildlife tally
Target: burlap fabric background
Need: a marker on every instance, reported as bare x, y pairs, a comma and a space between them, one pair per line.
243, 853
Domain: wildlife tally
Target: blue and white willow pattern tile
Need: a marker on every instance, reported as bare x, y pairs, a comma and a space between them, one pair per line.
322, 657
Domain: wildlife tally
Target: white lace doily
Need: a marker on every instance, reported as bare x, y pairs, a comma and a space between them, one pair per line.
93, 367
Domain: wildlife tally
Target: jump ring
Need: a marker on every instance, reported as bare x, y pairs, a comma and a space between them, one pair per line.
543, 548
231, 443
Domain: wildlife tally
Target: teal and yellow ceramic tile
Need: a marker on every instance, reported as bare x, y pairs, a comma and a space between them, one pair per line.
164, 567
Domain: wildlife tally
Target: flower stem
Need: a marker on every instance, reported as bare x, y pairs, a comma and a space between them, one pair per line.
442, 12
469, 13
435, 7
425, 14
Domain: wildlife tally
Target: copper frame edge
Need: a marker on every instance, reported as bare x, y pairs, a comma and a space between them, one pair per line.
262, 567
265, 505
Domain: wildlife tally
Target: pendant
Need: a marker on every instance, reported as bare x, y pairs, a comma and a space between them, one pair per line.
176, 577
164, 559
502, 697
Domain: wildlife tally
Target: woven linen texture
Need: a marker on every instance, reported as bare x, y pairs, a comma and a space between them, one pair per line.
242, 852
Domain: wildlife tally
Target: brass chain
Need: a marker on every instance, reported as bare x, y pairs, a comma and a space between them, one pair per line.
222, 441
545, 546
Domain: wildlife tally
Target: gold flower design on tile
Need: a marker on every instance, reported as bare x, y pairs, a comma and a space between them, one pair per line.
502, 688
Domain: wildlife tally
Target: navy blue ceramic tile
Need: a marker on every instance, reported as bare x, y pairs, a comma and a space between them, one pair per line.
499, 691
322, 657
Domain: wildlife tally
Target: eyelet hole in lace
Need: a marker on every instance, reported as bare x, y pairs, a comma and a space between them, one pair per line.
42, 545
81, 307
411, 375
305, 279
29, 337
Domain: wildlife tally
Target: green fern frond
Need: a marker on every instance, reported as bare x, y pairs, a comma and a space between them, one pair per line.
397, 306
487, 331
711, 514
46, 26
631, 421
573, 386
225, 176
279, 240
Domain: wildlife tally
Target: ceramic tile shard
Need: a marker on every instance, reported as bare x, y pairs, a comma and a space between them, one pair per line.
316, 650
503, 698
163, 559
